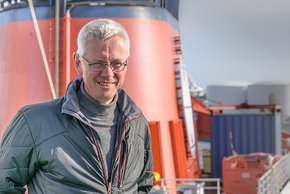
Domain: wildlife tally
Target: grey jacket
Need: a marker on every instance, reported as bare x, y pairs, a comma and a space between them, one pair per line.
47, 148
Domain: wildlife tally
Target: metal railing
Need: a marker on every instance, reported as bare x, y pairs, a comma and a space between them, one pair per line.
273, 181
150, 3
199, 186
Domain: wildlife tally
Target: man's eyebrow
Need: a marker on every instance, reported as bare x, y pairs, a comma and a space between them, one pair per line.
113, 61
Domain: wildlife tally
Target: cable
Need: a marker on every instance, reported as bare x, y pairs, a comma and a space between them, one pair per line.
40, 42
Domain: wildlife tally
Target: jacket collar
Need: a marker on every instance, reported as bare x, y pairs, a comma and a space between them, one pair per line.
71, 104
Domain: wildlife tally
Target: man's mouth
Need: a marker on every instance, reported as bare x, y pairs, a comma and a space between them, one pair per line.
106, 84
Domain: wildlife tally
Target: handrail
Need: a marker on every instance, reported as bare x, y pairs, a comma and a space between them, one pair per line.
150, 3
201, 183
276, 177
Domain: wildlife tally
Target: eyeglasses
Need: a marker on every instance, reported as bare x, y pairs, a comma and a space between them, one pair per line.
99, 66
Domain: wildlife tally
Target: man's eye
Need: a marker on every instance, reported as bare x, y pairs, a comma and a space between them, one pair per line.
98, 64
116, 65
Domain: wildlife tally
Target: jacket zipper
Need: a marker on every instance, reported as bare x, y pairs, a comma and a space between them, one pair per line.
108, 186
120, 147
124, 166
120, 177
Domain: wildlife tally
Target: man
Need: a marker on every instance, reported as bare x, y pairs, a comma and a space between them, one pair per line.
93, 140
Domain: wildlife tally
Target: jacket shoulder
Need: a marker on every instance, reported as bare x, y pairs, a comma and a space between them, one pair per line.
45, 119
44, 107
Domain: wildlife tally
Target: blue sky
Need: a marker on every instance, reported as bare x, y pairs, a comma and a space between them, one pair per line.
240, 40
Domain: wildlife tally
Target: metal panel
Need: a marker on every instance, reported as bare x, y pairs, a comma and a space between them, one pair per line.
156, 147
250, 133
22, 73
178, 145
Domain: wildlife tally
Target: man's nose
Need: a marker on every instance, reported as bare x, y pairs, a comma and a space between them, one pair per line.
107, 70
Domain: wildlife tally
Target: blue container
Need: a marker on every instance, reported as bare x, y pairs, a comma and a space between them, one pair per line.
250, 133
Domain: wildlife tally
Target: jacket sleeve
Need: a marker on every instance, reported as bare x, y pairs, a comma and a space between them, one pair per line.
16, 155
146, 179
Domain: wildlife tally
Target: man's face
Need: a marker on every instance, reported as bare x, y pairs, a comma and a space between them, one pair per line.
102, 85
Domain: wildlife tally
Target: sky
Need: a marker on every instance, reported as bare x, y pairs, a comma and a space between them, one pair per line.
235, 40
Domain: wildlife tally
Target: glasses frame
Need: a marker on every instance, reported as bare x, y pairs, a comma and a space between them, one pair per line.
104, 65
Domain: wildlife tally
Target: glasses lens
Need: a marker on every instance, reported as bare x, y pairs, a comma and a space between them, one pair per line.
117, 67
97, 66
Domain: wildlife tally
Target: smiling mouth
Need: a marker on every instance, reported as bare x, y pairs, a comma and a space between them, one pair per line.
106, 84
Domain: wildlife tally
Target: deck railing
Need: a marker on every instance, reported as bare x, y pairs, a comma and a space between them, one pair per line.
200, 185
273, 181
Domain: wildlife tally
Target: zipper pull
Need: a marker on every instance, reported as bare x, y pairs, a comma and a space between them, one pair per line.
120, 185
110, 188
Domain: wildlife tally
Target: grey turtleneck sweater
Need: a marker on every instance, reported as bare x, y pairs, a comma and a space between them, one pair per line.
103, 119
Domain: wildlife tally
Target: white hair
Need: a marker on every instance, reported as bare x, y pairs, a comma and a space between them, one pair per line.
101, 29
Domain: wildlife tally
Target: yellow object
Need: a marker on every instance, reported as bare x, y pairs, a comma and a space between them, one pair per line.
156, 176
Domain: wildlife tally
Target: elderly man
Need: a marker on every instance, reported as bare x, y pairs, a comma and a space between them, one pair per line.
94, 139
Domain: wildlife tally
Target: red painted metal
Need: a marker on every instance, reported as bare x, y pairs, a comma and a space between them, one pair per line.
156, 147
202, 116
179, 150
185, 165
285, 141
22, 74
220, 109
241, 172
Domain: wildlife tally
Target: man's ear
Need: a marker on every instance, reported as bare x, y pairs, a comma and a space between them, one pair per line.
77, 63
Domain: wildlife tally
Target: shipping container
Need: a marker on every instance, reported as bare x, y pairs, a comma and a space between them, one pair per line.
259, 132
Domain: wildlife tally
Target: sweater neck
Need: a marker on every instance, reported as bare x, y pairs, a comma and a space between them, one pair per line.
92, 108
